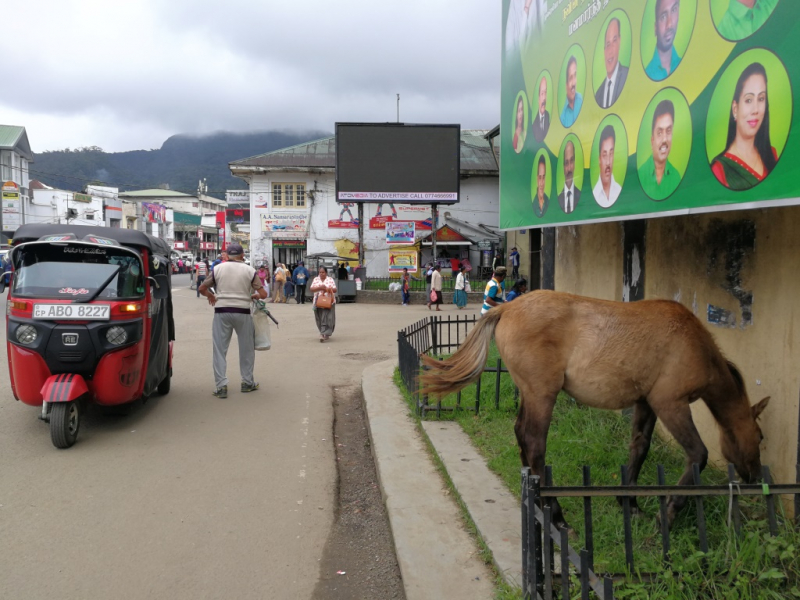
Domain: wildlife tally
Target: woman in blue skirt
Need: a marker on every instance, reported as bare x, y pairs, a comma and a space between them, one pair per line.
460, 295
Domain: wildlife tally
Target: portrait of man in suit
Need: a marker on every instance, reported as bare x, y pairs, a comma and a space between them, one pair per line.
541, 121
569, 196
616, 73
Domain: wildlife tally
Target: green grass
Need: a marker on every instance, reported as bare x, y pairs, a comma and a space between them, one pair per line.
753, 566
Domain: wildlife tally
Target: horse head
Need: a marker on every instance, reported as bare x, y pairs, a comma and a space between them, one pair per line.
741, 443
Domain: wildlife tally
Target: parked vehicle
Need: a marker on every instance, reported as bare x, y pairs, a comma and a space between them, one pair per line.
89, 320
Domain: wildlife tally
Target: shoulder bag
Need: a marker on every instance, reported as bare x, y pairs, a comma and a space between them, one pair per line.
325, 300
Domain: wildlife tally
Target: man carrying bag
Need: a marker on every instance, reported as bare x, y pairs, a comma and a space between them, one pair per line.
235, 286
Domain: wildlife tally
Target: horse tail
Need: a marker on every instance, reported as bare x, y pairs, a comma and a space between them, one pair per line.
465, 366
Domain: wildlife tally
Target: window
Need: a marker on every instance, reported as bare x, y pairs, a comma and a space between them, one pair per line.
290, 195
5, 165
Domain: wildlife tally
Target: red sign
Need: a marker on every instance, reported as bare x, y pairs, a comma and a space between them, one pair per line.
180, 245
337, 224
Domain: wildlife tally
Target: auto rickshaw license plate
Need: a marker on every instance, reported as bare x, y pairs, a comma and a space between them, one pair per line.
74, 312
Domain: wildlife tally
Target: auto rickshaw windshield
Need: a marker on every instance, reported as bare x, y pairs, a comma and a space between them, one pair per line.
76, 271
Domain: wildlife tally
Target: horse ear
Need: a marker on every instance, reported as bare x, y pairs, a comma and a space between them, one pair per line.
759, 408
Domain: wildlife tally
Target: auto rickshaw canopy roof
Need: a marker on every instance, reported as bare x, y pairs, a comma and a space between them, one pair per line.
125, 237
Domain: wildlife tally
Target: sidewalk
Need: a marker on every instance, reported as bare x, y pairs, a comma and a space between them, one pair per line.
437, 557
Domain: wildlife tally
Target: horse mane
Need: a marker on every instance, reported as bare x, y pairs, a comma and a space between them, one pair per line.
737, 377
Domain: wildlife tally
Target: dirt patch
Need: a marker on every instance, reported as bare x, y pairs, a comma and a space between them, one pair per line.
360, 544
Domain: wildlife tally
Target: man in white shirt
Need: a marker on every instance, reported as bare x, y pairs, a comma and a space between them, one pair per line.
568, 198
236, 285
607, 190
616, 74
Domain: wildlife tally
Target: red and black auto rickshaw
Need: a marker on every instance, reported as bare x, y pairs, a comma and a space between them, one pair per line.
89, 320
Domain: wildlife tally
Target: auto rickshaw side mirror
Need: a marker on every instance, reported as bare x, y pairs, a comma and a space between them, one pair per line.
159, 286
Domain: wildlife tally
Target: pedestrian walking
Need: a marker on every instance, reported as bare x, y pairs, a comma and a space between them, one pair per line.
324, 289
342, 273
236, 286
202, 269
428, 277
436, 288
263, 275
514, 256
406, 287
460, 294
288, 285
180, 266
493, 295
520, 287
223, 257
279, 279
300, 276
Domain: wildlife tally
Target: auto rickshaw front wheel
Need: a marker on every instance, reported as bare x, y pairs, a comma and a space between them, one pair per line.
65, 421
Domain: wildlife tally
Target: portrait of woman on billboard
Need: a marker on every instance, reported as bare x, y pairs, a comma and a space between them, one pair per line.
520, 122
749, 155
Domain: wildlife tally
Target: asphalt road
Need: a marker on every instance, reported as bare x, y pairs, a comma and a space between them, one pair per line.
190, 496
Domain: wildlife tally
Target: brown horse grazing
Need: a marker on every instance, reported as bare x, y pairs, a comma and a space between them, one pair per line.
654, 355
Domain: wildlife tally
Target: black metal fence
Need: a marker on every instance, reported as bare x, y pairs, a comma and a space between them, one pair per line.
436, 336
540, 536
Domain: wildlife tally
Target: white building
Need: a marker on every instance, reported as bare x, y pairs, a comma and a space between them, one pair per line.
49, 205
15, 158
174, 217
294, 211
112, 205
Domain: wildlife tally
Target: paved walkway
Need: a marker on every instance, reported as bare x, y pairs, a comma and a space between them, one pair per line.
437, 557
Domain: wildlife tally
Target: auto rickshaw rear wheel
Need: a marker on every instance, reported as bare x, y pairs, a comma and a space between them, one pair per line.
65, 421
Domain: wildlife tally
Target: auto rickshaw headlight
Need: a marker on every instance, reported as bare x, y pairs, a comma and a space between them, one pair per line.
26, 334
116, 335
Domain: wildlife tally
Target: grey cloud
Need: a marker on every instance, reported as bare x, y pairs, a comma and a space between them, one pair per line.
175, 66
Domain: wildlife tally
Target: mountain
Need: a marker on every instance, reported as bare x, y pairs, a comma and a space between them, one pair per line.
181, 162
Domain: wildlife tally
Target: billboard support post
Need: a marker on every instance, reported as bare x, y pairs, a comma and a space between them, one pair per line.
360, 234
434, 224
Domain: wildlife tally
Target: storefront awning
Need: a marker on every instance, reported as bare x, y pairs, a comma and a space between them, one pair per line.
447, 236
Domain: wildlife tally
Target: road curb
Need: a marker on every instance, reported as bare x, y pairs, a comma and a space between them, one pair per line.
437, 557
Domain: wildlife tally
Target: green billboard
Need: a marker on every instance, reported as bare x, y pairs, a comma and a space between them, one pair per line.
615, 109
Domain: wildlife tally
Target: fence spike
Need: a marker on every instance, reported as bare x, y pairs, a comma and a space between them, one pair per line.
626, 518
662, 502
547, 550
608, 588
525, 474
585, 588
771, 519
701, 513
733, 502
587, 517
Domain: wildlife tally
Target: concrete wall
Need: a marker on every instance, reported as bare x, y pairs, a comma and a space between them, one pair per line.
737, 272
589, 260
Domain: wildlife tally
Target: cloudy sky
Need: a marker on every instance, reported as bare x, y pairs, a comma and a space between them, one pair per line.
127, 75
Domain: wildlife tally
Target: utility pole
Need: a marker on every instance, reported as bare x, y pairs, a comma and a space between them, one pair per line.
434, 223
398, 108
360, 234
